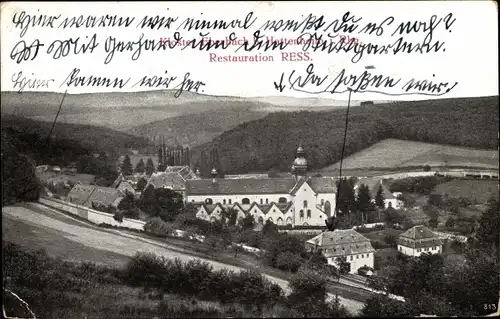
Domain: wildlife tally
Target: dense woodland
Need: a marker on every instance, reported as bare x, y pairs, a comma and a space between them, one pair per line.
74, 136
25, 145
270, 143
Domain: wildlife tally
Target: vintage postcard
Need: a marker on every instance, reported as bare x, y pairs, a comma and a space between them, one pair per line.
250, 159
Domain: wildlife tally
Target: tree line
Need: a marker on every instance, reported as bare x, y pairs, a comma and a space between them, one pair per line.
270, 143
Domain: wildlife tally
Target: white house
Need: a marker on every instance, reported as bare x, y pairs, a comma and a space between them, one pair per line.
373, 185
418, 240
293, 200
344, 243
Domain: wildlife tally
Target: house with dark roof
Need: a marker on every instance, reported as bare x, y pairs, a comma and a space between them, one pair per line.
418, 240
293, 200
89, 195
347, 243
373, 186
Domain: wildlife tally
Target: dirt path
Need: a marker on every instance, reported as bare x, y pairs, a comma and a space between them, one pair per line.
123, 244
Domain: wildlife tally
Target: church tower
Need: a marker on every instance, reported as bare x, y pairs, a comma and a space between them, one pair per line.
299, 166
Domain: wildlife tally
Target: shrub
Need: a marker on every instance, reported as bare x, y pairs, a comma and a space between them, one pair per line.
252, 238
158, 227
378, 245
249, 287
308, 293
118, 216
288, 261
197, 278
363, 270
146, 269
391, 240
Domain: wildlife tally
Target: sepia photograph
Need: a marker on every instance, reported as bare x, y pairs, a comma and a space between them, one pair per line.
253, 159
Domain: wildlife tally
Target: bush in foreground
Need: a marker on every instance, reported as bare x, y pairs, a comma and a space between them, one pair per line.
197, 278
158, 227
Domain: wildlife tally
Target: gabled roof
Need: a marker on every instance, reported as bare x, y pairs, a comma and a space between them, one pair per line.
86, 194
297, 186
239, 206
117, 181
373, 185
267, 208
168, 179
419, 232
341, 242
285, 207
254, 204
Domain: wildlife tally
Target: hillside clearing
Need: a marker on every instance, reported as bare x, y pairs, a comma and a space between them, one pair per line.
393, 153
478, 191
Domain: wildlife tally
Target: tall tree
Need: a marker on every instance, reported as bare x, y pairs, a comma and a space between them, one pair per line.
126, 167
150, 167
379, 198
187, 157
161, 162
346, 199
140, 167
486, 233
141, 184
18, 178
364, 203
204, 164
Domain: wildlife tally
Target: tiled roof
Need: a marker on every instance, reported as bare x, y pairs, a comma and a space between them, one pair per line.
170, 169
322, 184
170, 179
297, 186
341, 242
419, 237
86, 194
279, 185
373, 185
418, 233
240, 186
187, 173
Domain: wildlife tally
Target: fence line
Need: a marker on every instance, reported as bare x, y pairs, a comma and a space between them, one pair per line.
91, 215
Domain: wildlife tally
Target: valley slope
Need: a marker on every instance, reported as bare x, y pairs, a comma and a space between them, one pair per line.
270, 142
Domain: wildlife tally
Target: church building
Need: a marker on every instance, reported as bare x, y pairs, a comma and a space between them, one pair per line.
297, 199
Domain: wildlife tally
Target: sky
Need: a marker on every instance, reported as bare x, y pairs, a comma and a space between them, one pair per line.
470, 59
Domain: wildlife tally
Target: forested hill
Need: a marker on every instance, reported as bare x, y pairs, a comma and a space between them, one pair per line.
270, 142
93, 138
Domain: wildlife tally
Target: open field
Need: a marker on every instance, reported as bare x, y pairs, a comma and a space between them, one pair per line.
478, 191
393, 153
77, 240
